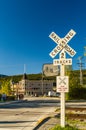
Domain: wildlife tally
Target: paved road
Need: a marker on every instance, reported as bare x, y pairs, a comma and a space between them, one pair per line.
25, 115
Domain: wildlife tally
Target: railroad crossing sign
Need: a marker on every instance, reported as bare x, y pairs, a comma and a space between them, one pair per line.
62, 84
62, 81
62, 43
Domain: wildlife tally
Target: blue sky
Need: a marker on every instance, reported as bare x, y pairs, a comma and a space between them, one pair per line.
25, 26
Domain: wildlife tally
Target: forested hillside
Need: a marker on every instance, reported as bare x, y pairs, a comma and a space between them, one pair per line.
17, 78
39, 76
76, 90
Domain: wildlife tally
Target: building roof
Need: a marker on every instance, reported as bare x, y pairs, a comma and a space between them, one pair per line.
25, 76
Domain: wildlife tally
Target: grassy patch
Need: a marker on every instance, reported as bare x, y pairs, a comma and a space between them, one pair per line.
78, 123
67, 127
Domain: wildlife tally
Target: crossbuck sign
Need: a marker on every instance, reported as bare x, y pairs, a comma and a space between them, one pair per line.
62, 47
62, 80
62, 43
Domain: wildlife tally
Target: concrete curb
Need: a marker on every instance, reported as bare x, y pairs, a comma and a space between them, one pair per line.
3, 103
44, 119
41, 121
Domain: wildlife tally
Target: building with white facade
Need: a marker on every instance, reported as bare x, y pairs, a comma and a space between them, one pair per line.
32, 87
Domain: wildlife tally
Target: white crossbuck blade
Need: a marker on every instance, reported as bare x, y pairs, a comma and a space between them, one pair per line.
62, 43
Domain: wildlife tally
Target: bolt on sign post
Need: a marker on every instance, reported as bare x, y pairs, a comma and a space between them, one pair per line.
62, 80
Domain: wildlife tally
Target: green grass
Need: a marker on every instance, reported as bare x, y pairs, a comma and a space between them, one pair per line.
76, 122
67, 127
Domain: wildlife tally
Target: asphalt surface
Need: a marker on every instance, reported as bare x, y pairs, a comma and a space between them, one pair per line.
25, 115
32, 114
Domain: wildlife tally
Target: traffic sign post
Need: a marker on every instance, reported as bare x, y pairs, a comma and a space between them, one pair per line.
62, 74
62, 80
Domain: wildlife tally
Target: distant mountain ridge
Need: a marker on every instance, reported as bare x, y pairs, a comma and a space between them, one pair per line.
2, 75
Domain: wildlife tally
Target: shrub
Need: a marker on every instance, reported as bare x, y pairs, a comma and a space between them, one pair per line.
10, 98
76, 93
